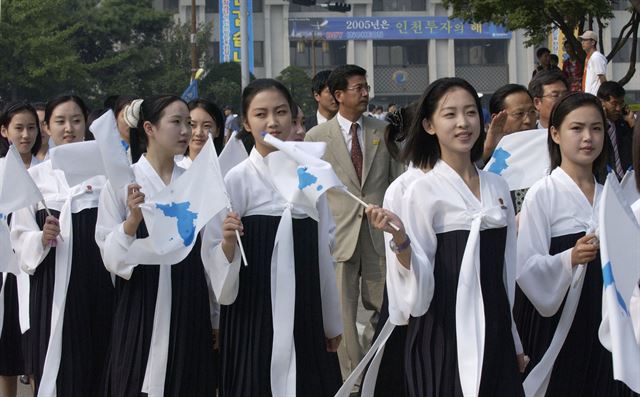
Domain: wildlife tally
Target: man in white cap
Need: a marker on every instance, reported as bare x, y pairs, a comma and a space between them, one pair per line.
595, 66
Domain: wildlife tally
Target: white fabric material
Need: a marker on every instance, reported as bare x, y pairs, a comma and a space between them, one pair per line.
620, 256
175, 215
115, 158
252, 191
17, 190
440, 202
544, 278
521, 158
23, 301
232, 154
321, 119
26, 237
628, 186
4, 280
345, 127
597, 65
114, 246
79, 161
214, 307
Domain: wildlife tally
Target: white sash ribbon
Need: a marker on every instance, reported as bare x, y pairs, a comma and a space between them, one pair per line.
156, 370
536, 383
4, 285
470, 321
64, 251
283, 300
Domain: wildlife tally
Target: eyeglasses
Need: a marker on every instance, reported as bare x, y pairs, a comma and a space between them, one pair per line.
520, 115
555, 95
359, 88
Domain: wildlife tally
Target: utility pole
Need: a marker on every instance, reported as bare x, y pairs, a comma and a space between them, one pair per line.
244, 48
313, 53
194, 50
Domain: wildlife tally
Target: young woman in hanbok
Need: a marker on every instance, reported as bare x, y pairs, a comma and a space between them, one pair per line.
455, 263
207, 122
71, 294
559, 300
277, 338
161, 341
19, 126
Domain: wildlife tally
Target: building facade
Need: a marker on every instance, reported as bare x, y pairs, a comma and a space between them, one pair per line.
399, 68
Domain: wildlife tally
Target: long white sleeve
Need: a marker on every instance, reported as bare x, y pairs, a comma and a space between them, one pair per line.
110, 236
331, 315
26, 239
224, 275
412, 289
544, 278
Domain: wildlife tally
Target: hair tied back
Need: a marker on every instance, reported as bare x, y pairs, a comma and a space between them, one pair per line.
131, 113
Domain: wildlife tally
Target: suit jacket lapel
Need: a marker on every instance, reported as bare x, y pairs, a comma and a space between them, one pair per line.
338, 148
372, 139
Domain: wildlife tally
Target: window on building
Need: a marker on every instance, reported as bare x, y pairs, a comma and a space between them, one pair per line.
481, 52
301, 8
620, 5
258, 54
328, 54
171, 5
624, 54
257, 5
211, 6
400, 53
399, 5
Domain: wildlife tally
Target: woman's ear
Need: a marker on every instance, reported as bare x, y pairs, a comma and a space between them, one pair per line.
148, 128
428, 127
4, 132
246, 126
555, 134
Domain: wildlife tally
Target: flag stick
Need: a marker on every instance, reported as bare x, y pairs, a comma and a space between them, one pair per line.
396, 228
230, 209
49, 213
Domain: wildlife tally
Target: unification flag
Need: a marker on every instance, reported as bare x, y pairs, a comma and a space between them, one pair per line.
117, 167
79, 161
191, 92
17, 190
521, 158
175, 215
232, 154
628, 186
620, 255
299, 172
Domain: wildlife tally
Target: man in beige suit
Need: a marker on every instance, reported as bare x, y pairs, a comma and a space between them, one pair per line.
356, 150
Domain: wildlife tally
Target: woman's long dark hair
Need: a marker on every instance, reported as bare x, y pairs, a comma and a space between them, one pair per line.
423, 149
216, 114
7, 114
565, 105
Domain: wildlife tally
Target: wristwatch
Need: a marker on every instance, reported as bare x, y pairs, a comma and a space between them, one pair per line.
398, 248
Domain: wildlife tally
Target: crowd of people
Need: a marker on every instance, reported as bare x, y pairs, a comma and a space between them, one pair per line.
472, 277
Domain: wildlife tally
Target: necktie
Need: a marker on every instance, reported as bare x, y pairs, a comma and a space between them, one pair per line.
614, 143
356, 151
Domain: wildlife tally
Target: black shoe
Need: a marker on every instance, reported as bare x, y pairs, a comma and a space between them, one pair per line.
24, 379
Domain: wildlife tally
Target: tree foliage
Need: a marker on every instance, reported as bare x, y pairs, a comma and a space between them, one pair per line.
299, 84
538, 17
93, 48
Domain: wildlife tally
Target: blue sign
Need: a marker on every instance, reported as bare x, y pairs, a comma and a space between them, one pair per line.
393, 28
230, 40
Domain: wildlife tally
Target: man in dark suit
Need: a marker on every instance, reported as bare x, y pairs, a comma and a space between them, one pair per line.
619, 132
357, 152
327, 106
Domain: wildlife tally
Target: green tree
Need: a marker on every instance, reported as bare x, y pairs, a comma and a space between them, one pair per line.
539, 17
223, 85
299, 84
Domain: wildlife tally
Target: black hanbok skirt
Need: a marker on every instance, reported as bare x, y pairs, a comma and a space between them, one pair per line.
583, 367
431, 360
246, 326
88, 310
190, 370
11, 355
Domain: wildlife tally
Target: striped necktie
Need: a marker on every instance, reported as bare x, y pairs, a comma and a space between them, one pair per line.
616, 155
356, 151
